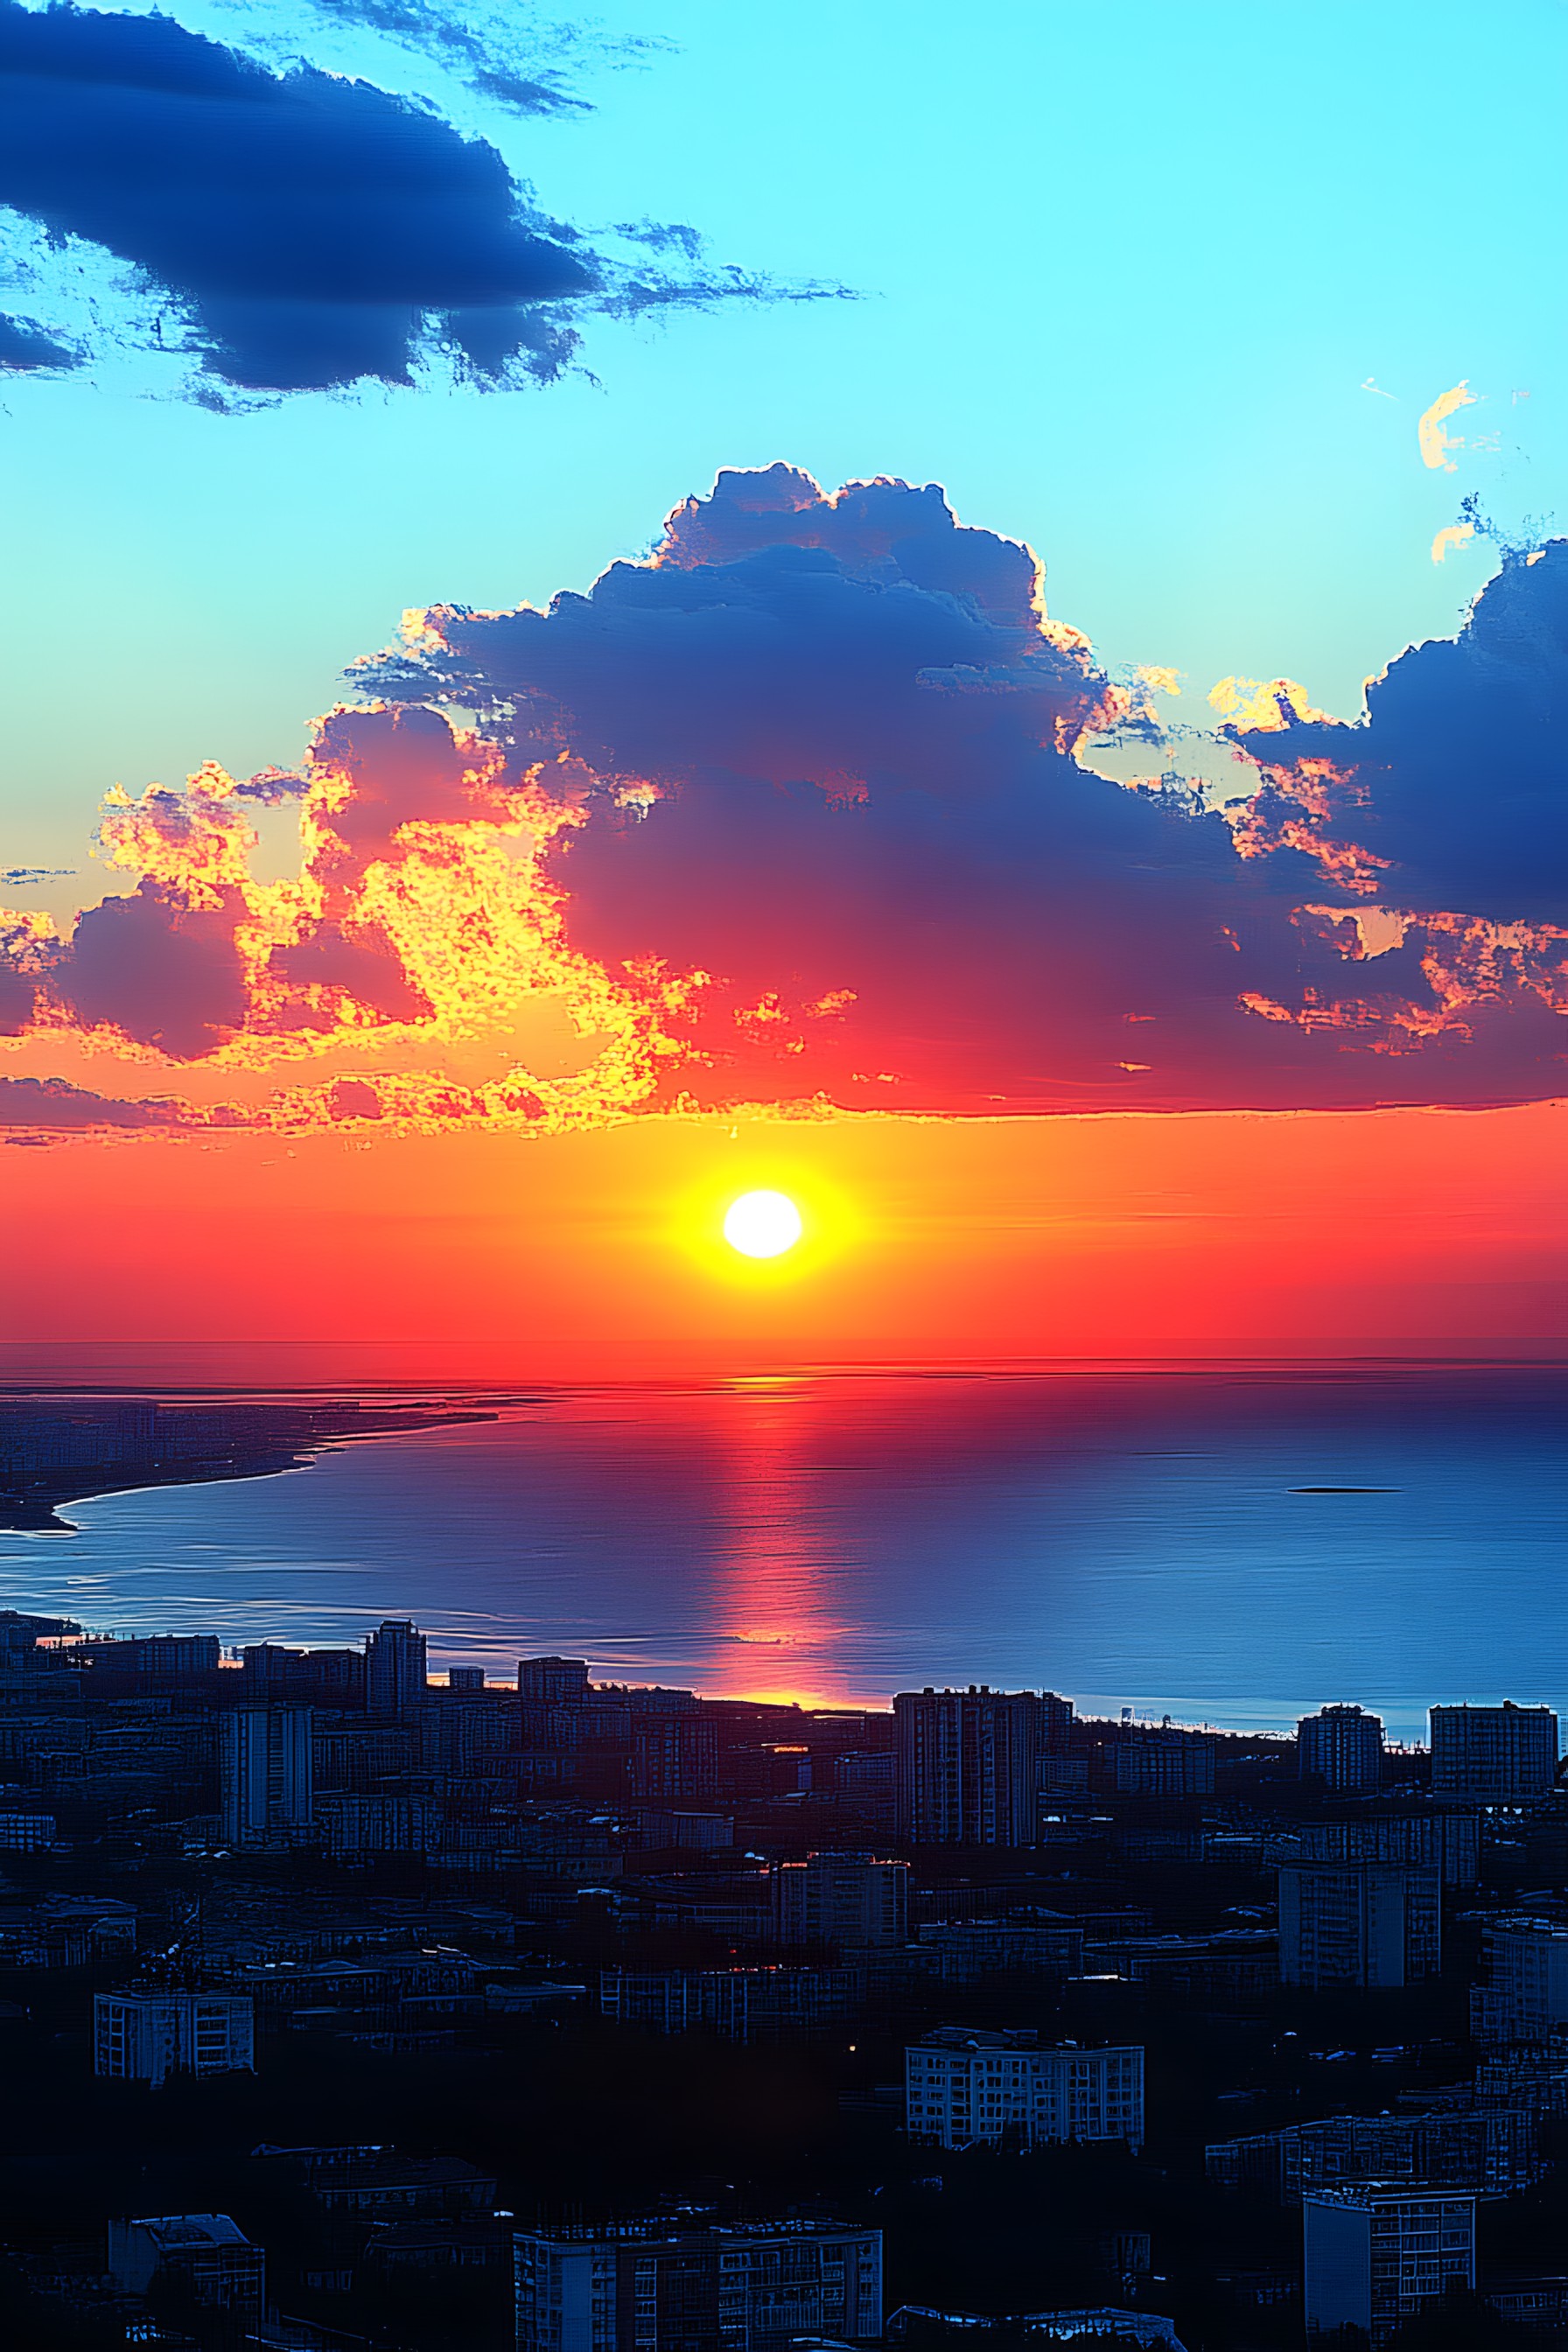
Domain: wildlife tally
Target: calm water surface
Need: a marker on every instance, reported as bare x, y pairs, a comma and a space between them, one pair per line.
1126, 1538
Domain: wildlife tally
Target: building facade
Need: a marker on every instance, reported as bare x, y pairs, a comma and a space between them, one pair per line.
744, 2004
206, 2255
852, 1900
1525, 1997
266, 1776
753, 2288
1377, 2253
1342, 1748
1494, 1755
144, 2037
395, 1674
1358, 1925
968, 1765
962, 2088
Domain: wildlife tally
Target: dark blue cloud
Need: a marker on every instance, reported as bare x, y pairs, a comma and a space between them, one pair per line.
840, 754
1454, 789
307, 231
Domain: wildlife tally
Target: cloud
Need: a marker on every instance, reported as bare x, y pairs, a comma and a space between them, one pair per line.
1431, 429
799, 812
1449, 797
501, 54
33, 1104
838, 809
302, 231
27, 349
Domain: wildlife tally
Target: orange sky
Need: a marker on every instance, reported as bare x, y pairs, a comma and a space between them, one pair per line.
474, 1255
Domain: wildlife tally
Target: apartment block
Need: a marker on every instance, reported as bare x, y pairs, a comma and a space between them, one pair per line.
967, 1767
1377, 2253
756, 2288
962, 2088
1494, 1755
144, 2037
855, 1901
1524, 1996
1368, 1925
1341, 1748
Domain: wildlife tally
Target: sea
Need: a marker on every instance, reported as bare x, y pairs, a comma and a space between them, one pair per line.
1231, 1544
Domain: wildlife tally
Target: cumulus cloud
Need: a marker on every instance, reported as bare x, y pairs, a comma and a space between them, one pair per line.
303, 230
799, 812
838, 803
1451, 795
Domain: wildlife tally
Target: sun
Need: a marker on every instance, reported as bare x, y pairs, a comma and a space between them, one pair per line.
762, 1225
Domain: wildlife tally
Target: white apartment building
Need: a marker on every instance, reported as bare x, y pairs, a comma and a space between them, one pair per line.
142, 2037
1378, 2251
964, 2087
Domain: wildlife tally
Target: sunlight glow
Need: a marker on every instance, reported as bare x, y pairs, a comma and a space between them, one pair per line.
762, 1225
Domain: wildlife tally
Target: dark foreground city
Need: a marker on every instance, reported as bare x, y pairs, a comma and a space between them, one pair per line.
341, 2007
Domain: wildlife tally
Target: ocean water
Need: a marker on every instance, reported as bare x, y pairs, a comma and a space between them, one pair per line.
1230, 1545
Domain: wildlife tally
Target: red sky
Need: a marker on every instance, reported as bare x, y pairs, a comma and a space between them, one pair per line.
473, 1254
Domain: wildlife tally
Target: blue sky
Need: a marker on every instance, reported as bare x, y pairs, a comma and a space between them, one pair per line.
1123, 272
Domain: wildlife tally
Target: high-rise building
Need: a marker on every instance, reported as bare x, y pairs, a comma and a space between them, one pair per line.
1494, 1755
749, 2287
964, 2087
553, 1682
1342, 1748
1525, 1995
1377, 2253
968, 1765
265, 1775
144, 2037
1363, 1924
852, 1900
394, 1670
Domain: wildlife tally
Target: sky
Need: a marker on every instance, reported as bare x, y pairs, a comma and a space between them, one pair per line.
1113, 871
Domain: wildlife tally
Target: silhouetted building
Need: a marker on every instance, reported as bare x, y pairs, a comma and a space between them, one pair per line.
466, 1678
1358, 1925
144, 2037
743, 2004
1342, 1748
266, 1775
965, 2088
968, 1765
849, 1899
553, 1682
1376, 2254
1491, 2152
1493, 1755
203, 2257
1525, 1995
1447, 1841
1165, 1763
396, 1681
749, 2287
675, 1756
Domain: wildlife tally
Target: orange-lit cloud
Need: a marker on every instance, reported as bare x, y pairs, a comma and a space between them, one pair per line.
794, 814
1435, 440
